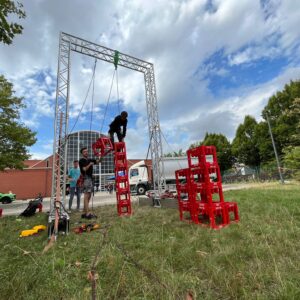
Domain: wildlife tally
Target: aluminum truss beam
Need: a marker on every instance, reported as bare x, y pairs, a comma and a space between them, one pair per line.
61, 122
68, 43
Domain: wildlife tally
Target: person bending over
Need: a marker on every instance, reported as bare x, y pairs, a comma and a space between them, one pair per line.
115, 127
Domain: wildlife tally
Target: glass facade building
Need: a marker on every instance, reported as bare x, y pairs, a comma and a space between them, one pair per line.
80, 139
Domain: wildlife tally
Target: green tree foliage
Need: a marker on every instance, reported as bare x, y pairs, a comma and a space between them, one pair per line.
9, 30
292, 152
223, 147
292, 160
280, 111
169, 154
252, 143
175, 154
244, 145
14, 137
197, 144
293, 112
264, 143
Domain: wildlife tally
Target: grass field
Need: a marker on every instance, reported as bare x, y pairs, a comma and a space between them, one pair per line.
152, 255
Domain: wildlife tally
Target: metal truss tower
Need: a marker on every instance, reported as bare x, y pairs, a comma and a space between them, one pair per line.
68, 43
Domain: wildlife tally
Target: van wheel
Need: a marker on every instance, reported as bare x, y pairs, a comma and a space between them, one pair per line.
141, 190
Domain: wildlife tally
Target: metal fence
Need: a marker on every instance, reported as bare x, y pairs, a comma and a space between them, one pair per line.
259, 175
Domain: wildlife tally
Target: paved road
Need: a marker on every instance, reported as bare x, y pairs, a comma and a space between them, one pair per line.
18, 206
103, 198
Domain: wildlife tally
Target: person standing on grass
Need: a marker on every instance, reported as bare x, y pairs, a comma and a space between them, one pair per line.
86, 169
74, 174
115, 127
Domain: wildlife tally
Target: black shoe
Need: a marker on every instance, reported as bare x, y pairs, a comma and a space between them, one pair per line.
91, 216
88, 216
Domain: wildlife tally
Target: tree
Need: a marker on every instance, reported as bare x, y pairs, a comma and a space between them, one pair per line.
194, 145
169, 154
264, 143
244, 145
292, 152
223, 148
9, 30
14, 136
292, 160
279, 109
294, 112
175, 154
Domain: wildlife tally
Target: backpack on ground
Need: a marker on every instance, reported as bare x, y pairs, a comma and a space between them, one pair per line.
33, 205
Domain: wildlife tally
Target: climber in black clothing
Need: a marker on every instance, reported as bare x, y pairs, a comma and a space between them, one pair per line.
115, 127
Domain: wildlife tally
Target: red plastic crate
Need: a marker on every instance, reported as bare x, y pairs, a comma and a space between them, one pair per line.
199, 183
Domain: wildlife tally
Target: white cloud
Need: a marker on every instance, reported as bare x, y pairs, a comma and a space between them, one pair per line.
32, 123
48, 80
177, 36
48, 146
39, 155
252, 54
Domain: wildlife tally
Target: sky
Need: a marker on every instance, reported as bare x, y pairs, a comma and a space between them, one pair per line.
215, 62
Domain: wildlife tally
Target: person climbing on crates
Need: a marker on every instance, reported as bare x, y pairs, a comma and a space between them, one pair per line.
115, 127
86, 169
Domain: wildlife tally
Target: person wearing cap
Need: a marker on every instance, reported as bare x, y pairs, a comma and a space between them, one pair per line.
115, 127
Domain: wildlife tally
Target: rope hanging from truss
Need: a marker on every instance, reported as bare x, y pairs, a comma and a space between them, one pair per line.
116, 61
92, 84
88, 91
108, 99
93, 92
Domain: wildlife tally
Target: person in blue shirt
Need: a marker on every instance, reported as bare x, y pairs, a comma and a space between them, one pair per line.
74, 174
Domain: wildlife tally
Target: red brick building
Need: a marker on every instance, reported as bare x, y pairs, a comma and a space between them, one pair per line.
27, 183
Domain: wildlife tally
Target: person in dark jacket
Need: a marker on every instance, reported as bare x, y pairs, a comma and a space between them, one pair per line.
115, 127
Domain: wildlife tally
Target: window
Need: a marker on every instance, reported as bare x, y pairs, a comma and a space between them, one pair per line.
134, 172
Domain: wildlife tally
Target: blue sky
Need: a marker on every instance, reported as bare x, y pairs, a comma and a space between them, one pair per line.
233, 76
215, 62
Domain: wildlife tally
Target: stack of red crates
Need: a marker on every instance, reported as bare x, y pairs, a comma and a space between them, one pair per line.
105, 146
199, 190
121, 179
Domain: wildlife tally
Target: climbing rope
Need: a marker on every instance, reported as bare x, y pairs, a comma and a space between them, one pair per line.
91, 122
116, 61
170, 147
107, 102
85, 98
93, 93
147, 153
118, 91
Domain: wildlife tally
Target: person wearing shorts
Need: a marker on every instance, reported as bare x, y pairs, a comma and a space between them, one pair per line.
86, 169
